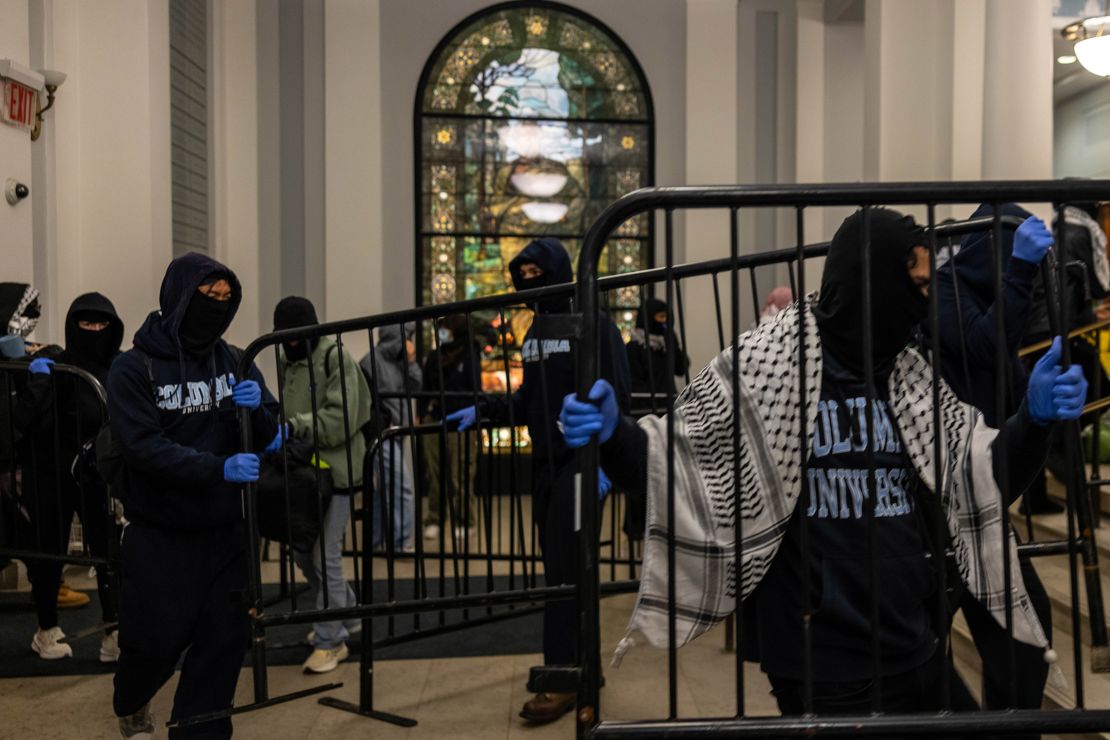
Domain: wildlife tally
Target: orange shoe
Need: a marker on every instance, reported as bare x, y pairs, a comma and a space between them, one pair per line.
70, 599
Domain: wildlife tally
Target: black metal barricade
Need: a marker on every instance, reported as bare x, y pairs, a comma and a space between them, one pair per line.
736, 203
47, 434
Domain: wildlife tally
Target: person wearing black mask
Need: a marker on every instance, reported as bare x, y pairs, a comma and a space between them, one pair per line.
59, 482
174, 401
647, 358
549, 372
834, 492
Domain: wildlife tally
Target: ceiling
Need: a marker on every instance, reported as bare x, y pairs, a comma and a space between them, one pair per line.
1069, 80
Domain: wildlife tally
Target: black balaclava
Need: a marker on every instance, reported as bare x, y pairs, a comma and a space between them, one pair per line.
897, 305
292, 312
654, 306
93, 350
204, 320
547, 253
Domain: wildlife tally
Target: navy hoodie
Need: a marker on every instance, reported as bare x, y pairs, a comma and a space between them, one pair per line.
539, 399
175, 443
967, 328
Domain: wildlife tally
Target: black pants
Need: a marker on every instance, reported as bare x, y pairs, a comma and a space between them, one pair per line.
1030, 669
183, 591
553, 511
916, 690
51, 508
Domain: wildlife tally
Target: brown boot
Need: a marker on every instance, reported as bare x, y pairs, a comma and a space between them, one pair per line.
547, 707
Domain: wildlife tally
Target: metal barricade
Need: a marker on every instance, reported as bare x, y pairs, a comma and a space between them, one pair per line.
48, 477
736, 202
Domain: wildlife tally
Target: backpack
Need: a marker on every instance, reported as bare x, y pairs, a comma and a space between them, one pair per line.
297, 524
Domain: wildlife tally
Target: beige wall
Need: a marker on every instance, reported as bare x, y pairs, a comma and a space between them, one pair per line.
15, 154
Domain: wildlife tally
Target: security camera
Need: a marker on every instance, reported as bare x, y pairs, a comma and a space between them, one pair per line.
15, 191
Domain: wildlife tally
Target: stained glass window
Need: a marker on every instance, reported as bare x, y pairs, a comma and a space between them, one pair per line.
532, 119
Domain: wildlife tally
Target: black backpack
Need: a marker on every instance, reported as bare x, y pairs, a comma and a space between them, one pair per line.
297, 524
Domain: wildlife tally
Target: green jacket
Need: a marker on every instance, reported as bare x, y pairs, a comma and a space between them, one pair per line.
329, 408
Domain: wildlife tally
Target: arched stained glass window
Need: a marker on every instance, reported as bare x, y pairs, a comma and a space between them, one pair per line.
531, 119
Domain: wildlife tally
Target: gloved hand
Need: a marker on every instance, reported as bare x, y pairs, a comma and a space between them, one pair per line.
1032, 240
241, 468
1053, 393
466, 418
246, 393
604, 485
279, 439
40, 365
583, 420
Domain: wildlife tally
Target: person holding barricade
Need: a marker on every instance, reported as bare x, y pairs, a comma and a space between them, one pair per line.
317, 377
58, 419
392, 368
549, 372
174, 402
651, 373
868, 468
968, 308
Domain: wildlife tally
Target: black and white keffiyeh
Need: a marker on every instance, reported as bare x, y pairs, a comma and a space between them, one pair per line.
707, 491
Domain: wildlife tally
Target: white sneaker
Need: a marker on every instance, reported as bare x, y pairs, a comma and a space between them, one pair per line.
45, 643
431, 532
109, 647
323, 661
138, 726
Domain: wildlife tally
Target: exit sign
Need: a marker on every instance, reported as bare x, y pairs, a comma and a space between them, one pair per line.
18, 105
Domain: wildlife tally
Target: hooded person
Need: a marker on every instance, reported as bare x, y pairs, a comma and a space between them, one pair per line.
392, 369
57, 418
650, 371
317, 377
549, 372
831, 491
174, 401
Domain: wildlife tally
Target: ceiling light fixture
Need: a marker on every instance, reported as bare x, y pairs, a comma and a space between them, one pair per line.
1092, 43
544, 213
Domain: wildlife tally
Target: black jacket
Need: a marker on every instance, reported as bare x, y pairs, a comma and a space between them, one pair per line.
550, 361
173, 413
647, 359
79, 412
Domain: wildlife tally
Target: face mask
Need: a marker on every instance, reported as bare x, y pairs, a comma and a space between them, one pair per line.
445, 336
95, 346
295, 353
203, 323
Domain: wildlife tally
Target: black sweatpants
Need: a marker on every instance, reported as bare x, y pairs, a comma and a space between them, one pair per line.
1030, 669
183, 591
553, 511
51, 508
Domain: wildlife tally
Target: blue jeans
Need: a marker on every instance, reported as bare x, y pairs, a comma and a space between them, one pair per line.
330, 634
400, 499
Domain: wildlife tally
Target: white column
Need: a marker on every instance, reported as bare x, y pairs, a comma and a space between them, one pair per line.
356, 267
711, 151
235, 185
1017, 90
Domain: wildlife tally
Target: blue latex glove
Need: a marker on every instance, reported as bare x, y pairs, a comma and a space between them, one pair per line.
246, 393
241, 468
581, 421
279, 439
466, 418
1032, 240
40, 365
604, 485
1053, 393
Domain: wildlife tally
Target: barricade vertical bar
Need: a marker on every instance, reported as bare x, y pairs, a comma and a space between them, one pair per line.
408, 418
254, 568
1003, 391
672, 641
386, 523
444, 463
803, 447
282, 422
738, 494
940, 530
514, 501
873, 512
1074, 498
645, 319
717, 306
672, 351
347, 433
316, 461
